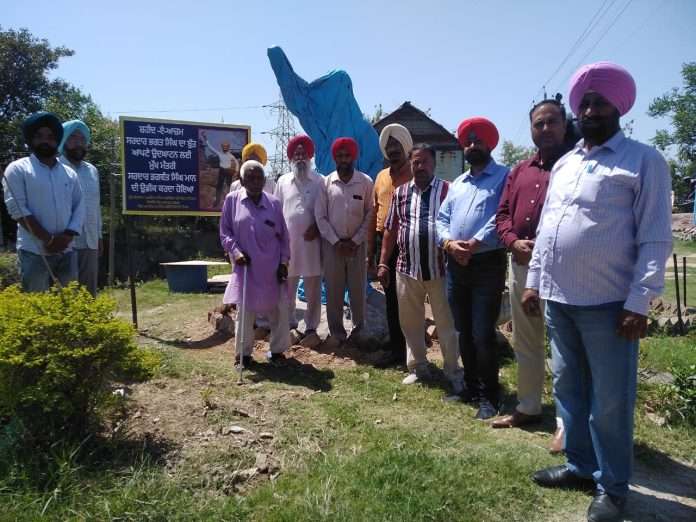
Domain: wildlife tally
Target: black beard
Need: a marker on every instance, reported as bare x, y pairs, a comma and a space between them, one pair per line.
44, 150
75, 155
598, 131
477, 157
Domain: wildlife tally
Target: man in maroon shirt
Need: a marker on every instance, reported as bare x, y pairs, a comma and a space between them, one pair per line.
516, 222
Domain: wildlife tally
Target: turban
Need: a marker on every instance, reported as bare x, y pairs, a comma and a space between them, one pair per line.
482, 128
608, 79
257, 149
345, 143
38, 120
250, 165
399, 133
72, 126
305, 141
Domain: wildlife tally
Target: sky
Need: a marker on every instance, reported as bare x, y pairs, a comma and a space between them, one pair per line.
206, 61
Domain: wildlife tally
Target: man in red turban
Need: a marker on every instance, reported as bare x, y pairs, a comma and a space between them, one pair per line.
307, 145
476, 261
348, 144
477, 127
343, 212
298, 191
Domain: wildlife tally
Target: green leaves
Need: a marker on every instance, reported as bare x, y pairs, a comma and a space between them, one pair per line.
59, 354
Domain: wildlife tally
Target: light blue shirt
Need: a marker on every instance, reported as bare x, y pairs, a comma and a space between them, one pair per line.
51, 194
91, 232
605, 232
468, 211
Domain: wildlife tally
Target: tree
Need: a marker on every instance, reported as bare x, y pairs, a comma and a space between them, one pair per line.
511, 154
680, 106
378, 115
25, 62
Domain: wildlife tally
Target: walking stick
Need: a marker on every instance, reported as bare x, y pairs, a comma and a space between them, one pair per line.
676, 285
242, 313
28, 227
684, 280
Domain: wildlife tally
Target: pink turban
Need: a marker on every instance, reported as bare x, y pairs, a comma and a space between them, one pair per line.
606, 78
482, 128
345, 143
305, 141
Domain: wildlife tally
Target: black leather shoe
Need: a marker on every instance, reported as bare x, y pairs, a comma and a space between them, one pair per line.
486, 410
248, 361
562, 477
605, 508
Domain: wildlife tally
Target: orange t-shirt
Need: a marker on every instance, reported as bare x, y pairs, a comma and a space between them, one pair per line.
385, 185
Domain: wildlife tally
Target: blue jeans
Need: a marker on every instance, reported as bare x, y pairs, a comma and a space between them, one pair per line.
35, 276
595, 372
474, 293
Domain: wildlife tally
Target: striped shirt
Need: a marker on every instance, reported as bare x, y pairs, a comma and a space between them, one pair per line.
413, 213
605, 232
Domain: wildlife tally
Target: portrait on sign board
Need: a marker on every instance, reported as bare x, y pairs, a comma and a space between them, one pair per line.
218, 164
179, 167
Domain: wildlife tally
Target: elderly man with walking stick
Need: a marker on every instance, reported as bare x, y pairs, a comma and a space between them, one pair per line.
253, 232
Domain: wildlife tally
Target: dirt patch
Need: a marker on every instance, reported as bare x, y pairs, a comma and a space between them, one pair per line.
217, 441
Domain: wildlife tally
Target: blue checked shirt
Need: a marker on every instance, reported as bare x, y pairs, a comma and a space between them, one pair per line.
469, 209
605, 232
51, 194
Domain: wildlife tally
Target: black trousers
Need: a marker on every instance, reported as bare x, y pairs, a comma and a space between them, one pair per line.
223, 182
475, 292
397, 343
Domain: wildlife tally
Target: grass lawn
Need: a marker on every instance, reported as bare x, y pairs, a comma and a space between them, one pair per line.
682, 249
350, 444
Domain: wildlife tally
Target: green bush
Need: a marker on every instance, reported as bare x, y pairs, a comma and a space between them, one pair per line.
60, 353
9, 275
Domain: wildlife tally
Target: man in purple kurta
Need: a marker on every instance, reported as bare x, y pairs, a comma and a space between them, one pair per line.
253, 232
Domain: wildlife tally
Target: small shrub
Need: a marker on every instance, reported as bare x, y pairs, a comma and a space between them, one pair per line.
60, 352
9, 274
676, 401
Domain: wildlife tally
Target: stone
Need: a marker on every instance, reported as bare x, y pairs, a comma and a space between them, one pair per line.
266, 435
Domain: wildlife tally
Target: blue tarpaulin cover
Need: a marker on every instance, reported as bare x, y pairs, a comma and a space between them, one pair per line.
326, 108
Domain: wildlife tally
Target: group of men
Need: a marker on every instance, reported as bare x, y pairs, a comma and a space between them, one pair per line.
588, 228
53, 194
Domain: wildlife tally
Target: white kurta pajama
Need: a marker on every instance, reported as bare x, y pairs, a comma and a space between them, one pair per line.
298, 197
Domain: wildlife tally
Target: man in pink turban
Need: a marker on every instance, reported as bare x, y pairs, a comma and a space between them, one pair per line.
599, 259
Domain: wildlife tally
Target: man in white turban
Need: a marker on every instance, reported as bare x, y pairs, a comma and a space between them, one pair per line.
396, 144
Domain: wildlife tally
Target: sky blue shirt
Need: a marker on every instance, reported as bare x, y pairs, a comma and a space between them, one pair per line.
51, 194
469, 209
91, 232
605, 232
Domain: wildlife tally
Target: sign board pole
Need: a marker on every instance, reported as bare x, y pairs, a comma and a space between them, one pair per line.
131, 273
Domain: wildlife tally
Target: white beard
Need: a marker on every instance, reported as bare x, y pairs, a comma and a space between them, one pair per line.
301, 169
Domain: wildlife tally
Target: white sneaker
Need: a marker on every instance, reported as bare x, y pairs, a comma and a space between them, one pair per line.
411, 378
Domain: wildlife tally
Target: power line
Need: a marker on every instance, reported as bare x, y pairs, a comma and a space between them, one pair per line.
606, 31
588, 29
583, 36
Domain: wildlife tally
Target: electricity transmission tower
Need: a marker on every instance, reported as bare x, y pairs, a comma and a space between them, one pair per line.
281, 134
